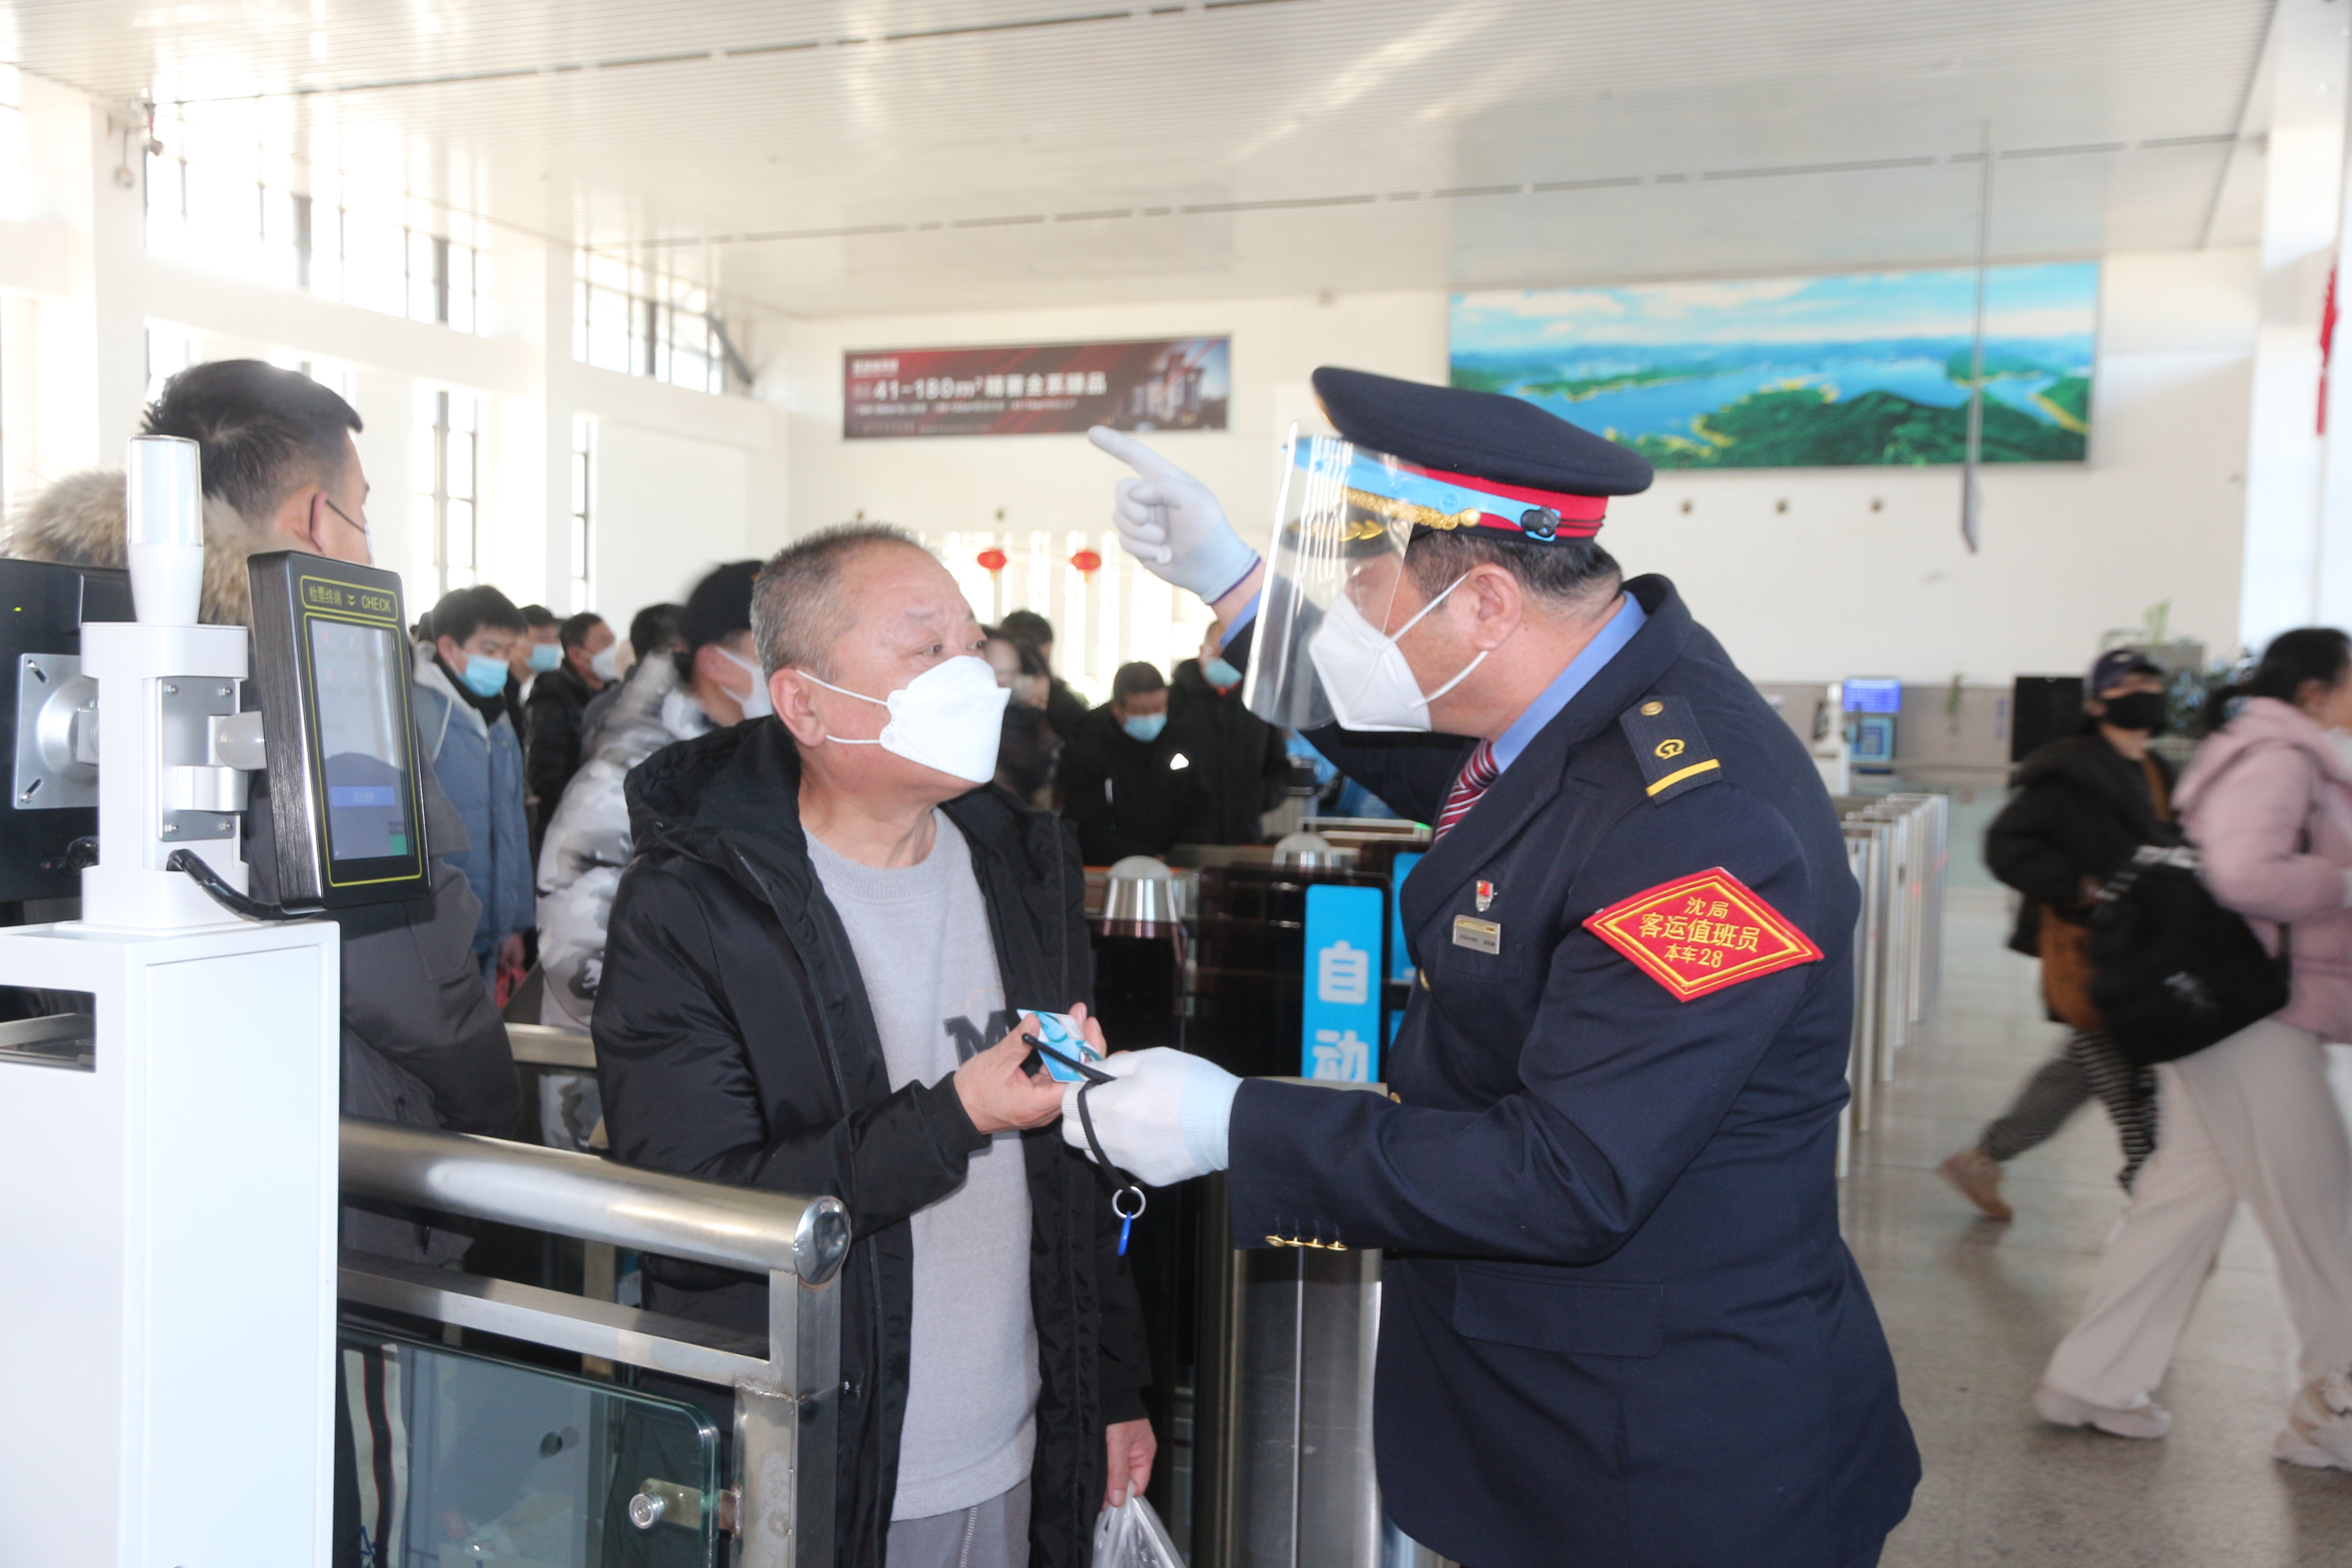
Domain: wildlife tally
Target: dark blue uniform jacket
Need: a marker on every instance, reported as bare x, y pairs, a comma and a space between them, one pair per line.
1619, 1327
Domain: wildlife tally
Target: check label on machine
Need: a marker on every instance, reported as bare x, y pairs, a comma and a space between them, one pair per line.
1699, 933
1477, 935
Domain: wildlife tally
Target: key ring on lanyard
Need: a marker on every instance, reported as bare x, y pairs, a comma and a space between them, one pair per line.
1127, 1186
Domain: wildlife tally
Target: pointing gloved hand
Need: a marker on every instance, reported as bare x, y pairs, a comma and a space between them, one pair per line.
1164, 1119
1171, 522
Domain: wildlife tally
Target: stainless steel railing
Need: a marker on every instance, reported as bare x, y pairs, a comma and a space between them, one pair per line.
787, 1389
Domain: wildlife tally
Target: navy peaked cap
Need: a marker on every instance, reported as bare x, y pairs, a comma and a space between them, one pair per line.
1482, 434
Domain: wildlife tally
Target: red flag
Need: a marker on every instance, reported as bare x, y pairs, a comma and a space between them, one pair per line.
2327, 346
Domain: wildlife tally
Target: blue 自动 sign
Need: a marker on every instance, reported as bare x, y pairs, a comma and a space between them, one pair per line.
1339, 1028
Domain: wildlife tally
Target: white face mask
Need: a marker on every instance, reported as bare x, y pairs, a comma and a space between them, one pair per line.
601, 661
755, 704
951, 718
1365, 675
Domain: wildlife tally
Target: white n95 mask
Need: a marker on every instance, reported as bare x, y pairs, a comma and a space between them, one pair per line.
1365, 675
951, 718
756, 701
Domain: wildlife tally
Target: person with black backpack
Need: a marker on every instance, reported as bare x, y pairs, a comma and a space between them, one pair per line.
2083, 804
2267, 805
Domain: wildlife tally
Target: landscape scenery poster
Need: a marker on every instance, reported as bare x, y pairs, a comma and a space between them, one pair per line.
1784, 373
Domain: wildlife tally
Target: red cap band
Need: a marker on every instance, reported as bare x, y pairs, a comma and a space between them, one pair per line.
1580, 516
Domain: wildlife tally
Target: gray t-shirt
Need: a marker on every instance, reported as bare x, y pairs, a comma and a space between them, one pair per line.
920, 934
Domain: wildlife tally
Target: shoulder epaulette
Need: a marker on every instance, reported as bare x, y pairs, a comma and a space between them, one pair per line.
1667, 742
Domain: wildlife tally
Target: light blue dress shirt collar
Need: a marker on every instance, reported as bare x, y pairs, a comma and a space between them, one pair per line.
1629, 619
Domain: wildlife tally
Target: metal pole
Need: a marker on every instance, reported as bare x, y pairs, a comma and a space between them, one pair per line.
785, 1435
1971, 503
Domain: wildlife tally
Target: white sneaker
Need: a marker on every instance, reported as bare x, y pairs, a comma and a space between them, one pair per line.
2143, 1418
2319, 1425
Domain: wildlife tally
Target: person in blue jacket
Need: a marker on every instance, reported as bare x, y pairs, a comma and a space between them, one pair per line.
1619, 1327
468, 732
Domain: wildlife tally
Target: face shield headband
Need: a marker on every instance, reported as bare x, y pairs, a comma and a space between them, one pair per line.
1394, 493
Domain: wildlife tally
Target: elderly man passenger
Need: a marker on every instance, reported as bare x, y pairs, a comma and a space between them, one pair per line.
814, 979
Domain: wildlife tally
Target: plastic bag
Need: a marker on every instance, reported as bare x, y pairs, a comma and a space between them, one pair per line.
1131, 1536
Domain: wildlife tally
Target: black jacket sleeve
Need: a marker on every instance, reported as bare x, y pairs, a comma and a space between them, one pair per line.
681, 1095
2025, 847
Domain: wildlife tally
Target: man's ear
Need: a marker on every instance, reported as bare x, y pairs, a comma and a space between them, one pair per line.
1495, 603
295, 524
789, 693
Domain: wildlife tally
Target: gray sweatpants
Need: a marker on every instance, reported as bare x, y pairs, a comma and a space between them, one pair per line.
992, 1534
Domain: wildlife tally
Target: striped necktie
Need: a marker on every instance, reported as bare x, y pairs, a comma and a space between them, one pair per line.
1468, 786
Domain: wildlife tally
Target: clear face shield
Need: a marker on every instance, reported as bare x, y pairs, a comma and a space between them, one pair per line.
1325, 649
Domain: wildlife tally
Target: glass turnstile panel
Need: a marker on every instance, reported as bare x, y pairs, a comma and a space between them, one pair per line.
445, 1457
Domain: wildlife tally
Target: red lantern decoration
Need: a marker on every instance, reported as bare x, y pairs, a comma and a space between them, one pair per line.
993, 560
1087, 562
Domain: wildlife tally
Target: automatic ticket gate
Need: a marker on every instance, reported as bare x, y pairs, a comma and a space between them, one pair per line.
1263, 1358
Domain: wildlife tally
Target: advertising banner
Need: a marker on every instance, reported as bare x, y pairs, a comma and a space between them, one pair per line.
1167, 383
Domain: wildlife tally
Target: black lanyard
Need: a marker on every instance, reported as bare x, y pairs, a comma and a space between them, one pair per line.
1125, 1185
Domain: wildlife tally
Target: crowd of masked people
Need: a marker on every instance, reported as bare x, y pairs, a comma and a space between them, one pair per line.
1164, 762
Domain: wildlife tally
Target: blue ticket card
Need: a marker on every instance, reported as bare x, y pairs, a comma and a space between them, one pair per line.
1060, 1034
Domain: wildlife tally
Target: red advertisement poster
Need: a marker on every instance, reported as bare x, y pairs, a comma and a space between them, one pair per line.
1169, 383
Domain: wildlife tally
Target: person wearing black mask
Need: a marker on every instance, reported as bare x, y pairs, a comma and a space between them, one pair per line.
2084, 804
1065, 708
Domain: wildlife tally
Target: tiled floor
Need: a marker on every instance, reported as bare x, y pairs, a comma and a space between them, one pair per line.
1974, 1307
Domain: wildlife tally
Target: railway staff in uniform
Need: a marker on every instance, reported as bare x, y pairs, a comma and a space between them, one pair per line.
1618, 1326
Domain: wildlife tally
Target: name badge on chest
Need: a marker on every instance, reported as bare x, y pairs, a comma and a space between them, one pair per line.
1477, 935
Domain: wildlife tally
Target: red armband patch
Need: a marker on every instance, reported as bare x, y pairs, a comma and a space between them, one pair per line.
1702, 932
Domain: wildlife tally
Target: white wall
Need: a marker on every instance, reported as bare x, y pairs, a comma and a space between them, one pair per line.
668, 509
1825, 588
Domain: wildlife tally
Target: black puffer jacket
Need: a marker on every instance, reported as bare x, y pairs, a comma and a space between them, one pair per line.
734, 1042
2080, 810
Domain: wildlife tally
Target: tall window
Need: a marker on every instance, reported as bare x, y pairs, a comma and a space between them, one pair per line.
444, 476
12, 144
234, 209
583, 511
170, 350
641, 323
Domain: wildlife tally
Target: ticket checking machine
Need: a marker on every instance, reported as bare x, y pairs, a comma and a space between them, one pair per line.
168, 1126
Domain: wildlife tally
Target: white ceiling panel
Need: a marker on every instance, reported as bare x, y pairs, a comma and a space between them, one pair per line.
833, 158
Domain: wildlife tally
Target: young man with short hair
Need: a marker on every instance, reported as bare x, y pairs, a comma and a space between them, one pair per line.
460, 683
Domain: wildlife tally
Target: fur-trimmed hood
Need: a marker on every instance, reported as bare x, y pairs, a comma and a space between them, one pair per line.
79, 522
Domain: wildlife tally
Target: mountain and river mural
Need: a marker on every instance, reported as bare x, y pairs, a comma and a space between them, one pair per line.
1783, 372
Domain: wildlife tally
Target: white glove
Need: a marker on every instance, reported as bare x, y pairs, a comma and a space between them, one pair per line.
1171, 522
1163, 1122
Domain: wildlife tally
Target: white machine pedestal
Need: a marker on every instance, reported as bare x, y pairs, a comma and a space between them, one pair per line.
167, 1215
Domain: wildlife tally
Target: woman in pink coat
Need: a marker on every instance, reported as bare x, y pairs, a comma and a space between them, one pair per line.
2268, 803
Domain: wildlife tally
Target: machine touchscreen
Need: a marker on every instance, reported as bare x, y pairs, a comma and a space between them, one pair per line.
330, 660
359, 673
